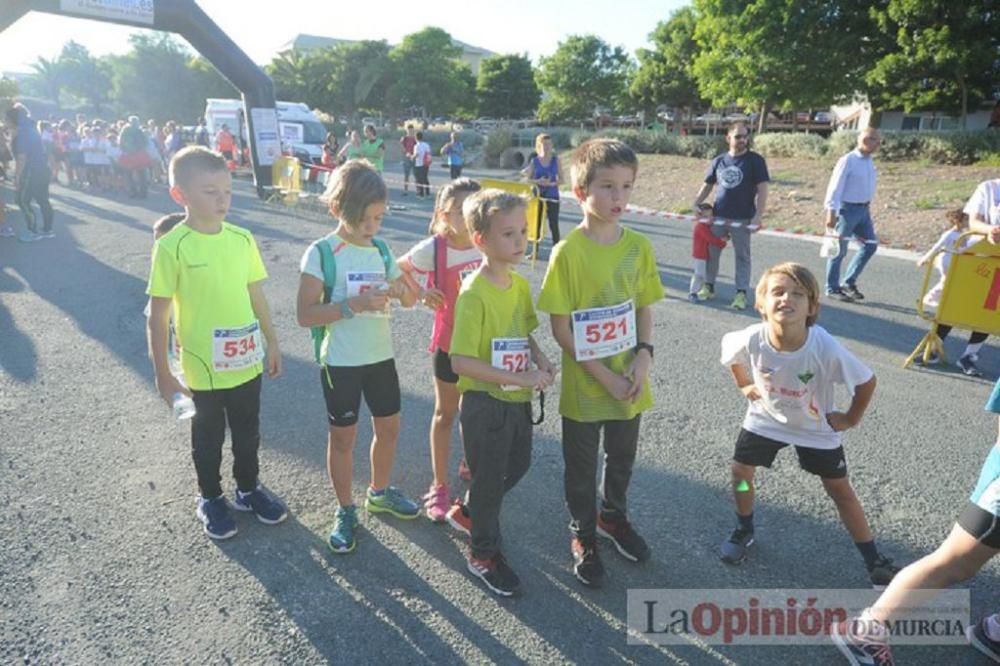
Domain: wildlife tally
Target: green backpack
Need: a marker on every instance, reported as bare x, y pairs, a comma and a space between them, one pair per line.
328, 264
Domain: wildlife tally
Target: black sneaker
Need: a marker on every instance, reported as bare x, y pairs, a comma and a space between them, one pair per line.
627, 541
840, 295
734, 550
979, 639
968, 366
882, 571
852, 291
496, 574
587, 566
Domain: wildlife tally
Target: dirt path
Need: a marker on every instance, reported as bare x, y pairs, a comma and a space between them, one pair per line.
909, 206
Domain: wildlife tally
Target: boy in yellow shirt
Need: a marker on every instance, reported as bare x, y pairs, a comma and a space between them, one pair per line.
211, 272
492, 351
601, 281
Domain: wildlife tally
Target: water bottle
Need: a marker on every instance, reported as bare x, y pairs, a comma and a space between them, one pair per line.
183, 406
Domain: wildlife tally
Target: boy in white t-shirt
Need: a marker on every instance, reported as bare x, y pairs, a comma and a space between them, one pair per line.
788, 369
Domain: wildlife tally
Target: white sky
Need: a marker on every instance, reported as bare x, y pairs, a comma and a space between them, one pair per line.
259, 28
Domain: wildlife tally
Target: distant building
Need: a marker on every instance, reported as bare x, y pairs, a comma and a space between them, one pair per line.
857, 115
471, 55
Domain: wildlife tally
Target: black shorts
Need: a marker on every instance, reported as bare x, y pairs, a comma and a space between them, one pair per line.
442, 367
344, 386
756, 450
981, 524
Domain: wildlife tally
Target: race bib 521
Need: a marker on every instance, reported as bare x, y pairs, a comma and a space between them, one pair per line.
602, 332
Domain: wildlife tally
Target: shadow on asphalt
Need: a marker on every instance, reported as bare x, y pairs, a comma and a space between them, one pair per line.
98, 298
684, 521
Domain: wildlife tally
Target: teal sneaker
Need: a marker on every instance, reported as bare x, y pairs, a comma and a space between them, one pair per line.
342, 536
391, 501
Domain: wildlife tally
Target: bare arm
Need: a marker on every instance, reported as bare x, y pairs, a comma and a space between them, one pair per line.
703, 192
744, 382
157, 333
258, 301
762, 189
979, 225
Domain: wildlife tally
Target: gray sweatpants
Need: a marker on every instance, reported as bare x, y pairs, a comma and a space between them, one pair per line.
497, 439
740, 239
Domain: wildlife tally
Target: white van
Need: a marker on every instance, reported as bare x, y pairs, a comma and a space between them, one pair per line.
299, 129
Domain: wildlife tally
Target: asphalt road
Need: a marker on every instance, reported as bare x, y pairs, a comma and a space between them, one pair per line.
103, 560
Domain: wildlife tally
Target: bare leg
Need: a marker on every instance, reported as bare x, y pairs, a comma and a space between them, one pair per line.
445, 410
340, 461
383, 450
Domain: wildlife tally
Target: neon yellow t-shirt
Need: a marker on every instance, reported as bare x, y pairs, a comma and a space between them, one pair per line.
493, 324
583, 274
207, 276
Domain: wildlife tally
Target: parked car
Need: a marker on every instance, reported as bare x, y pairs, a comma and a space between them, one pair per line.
736, 118
824, 117
802, 116
708, 118
665, 116
484, 124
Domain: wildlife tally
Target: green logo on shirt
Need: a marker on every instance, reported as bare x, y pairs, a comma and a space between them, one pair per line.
806, 376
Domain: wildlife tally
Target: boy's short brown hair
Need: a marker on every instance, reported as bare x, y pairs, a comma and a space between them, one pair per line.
480, 207
799, 274
163, 225
352, 188
189, 162
594, 154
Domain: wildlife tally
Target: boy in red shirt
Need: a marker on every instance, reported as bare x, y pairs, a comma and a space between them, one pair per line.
701, 237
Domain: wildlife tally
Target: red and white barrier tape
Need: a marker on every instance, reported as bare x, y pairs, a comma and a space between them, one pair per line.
650, 212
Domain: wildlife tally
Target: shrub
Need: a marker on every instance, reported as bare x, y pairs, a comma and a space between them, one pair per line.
497, 141
778, 144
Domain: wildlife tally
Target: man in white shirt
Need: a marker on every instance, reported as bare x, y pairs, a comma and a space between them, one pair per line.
983, 209
847, 203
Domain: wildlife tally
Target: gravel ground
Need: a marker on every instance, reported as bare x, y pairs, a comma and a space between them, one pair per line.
910, 201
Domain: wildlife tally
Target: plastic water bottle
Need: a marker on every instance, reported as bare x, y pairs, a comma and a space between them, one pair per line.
183, 406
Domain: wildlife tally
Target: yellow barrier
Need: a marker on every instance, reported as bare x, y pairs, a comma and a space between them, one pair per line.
971, 296
286, 180
536, 208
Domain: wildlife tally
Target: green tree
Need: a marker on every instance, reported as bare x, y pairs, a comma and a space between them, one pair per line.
359, 77
301, 76
665, 74
86, 77
428, 74
943, 55
48, 79
583, 74
788, 54
506, 88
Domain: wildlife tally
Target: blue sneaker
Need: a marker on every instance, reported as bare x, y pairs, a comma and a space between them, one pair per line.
342, 535
214, 515
391, 501
268, 508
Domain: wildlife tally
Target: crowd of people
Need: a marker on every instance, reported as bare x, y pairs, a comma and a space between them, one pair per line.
105, 157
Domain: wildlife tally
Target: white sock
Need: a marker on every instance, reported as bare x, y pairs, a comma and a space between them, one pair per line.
993, 627
972, 348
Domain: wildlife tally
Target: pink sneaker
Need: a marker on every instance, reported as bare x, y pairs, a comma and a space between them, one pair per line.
464, 472
436, 503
